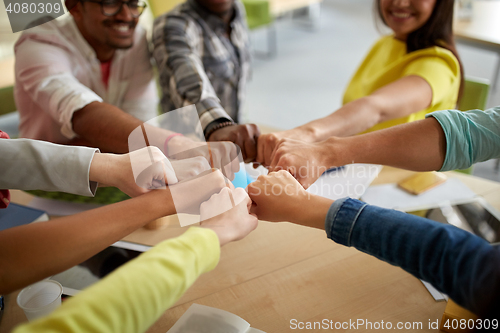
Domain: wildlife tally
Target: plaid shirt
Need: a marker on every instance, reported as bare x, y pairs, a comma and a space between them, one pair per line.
199, 64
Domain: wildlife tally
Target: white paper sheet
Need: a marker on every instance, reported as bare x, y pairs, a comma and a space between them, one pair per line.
351, 180
391, 196
436, 294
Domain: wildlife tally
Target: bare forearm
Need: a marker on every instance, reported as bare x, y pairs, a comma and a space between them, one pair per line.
351, 119
419, 146
33, 252
313, 212
400, 98
104, 126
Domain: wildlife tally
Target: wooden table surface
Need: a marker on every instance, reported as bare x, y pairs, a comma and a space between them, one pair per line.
283, 271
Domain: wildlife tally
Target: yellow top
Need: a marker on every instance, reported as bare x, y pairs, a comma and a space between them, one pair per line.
134, 296
388, 61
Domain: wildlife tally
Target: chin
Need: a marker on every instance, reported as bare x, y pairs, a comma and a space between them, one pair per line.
122, 46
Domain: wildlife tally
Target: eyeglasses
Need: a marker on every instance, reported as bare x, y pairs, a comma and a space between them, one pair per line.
113, 7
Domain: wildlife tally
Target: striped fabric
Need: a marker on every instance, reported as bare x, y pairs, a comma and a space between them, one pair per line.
199, 63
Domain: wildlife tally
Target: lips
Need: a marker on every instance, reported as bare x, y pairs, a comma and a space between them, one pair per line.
401, 15
121, 28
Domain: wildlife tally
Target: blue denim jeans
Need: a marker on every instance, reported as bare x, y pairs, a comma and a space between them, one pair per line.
454, 261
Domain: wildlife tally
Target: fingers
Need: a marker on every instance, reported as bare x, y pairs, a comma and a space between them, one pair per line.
151, 169
265, 148
250, 143
189, 167
222, 202
188, 195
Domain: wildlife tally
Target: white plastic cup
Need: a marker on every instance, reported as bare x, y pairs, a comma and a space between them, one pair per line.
40, 299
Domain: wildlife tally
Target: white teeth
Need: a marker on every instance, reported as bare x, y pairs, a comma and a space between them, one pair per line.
121, 27
401, 15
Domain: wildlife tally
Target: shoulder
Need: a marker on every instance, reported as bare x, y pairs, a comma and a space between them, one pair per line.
438, 55
49, 33
181, 17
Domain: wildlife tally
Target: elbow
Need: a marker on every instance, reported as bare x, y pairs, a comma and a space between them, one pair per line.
374, 110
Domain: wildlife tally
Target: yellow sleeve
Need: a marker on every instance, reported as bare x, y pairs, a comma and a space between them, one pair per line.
440, 68
134, 296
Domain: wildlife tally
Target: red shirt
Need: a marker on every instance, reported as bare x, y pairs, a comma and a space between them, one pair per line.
105, 70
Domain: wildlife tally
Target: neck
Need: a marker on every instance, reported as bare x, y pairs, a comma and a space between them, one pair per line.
226, 16
103, 55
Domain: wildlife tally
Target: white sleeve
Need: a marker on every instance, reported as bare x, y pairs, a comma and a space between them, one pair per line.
47, 78
38, 165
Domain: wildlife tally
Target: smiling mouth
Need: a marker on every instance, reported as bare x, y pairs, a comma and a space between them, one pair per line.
121, 27
401, 15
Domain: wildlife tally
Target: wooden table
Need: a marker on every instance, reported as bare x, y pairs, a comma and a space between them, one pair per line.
482, 31
283, 271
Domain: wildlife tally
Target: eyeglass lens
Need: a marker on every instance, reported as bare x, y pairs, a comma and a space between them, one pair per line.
113, 7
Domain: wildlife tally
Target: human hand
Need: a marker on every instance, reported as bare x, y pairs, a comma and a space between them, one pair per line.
268, 142
190, 167
305, 161
229, 223
277, 197
220, 155
189, 195
134, 173
245, 136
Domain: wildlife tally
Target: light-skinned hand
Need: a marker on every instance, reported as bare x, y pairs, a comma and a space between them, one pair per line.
224, 156
135, 173
279, 197
190, 194
305, 161
232, 224
267, 142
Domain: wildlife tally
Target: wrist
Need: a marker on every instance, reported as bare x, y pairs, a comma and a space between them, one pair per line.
168, 140
212, 128
336, 152
307, 133
159, 202
101, 168
219, 231
314, 214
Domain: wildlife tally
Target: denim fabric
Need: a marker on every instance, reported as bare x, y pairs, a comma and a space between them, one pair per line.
471, 137
456, 262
